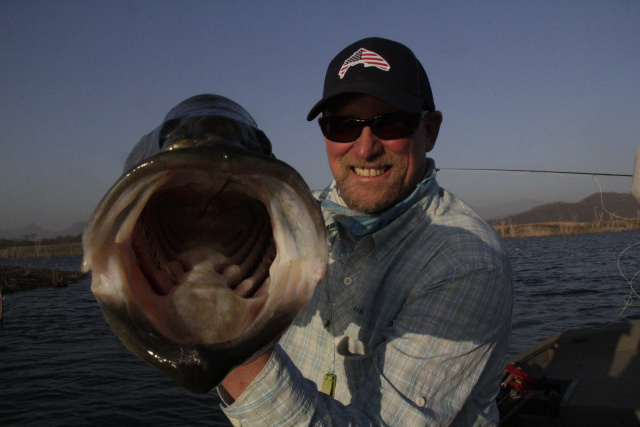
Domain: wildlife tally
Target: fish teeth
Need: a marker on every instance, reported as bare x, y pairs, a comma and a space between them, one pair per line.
157, 255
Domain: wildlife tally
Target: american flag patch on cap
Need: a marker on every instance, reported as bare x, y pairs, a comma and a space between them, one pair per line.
366, 57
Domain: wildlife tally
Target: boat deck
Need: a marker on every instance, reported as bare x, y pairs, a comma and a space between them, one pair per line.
601, 372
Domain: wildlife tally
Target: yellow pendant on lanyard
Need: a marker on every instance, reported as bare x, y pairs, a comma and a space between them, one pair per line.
329, 384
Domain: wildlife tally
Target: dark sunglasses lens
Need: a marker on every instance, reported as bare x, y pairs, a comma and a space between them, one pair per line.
340, 129
397, 125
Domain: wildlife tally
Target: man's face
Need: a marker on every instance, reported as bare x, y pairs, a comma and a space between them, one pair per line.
373, 174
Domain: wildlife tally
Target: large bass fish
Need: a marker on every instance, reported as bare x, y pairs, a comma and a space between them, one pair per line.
206, 248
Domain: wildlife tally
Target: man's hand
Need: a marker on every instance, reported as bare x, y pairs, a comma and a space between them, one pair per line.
239, 379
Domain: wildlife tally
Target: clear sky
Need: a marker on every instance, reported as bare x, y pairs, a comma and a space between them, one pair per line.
552, 85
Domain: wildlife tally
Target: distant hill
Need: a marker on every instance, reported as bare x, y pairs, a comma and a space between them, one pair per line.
510, 208
74, 230
589, 209
35, 229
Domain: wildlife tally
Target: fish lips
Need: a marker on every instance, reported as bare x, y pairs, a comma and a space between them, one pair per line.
196, 367
198, 350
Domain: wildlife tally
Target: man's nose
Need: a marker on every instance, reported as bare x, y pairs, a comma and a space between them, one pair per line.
368, 146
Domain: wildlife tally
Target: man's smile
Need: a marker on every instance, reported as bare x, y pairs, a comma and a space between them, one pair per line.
366, 172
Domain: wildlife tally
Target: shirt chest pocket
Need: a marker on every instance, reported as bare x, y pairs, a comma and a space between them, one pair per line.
356, 360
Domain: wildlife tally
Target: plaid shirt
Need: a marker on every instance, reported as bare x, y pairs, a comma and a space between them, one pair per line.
413, 318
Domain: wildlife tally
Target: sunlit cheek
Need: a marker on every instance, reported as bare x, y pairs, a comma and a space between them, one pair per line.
401, 147
413, 157
335, 153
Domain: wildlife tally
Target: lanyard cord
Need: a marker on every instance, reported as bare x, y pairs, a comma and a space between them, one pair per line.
330, 379
331, 321
333, 336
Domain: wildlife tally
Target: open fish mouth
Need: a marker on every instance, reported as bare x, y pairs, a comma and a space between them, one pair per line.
201, 257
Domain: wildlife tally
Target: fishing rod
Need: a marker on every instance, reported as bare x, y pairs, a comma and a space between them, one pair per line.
635, 177
538, 171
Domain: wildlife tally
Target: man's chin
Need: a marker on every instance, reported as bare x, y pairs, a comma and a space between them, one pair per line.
370, 202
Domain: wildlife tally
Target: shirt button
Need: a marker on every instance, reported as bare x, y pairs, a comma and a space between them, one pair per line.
348, 281
420, 401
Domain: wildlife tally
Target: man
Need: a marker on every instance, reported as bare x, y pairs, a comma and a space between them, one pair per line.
411, 325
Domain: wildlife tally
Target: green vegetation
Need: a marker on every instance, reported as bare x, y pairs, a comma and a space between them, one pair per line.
508, 229
16, 278
33, 247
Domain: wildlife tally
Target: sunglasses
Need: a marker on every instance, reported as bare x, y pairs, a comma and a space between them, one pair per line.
386, 126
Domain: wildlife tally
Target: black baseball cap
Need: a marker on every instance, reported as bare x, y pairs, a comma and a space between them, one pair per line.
378, 67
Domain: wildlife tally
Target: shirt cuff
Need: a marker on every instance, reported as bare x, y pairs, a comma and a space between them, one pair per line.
279, 395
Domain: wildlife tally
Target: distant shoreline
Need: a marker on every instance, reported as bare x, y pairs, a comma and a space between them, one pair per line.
505, 229
16, 278
35, 250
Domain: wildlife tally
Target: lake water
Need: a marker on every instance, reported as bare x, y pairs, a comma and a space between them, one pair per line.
60, 364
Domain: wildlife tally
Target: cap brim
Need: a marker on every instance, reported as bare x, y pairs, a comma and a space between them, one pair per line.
317, 109
397, 98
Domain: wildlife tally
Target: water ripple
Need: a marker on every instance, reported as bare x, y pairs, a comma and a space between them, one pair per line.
60, 364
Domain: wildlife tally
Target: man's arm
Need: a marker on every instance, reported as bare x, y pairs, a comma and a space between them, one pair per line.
239, 379
424, 372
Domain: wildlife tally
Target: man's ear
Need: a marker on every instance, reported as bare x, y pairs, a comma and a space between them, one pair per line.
432, 123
